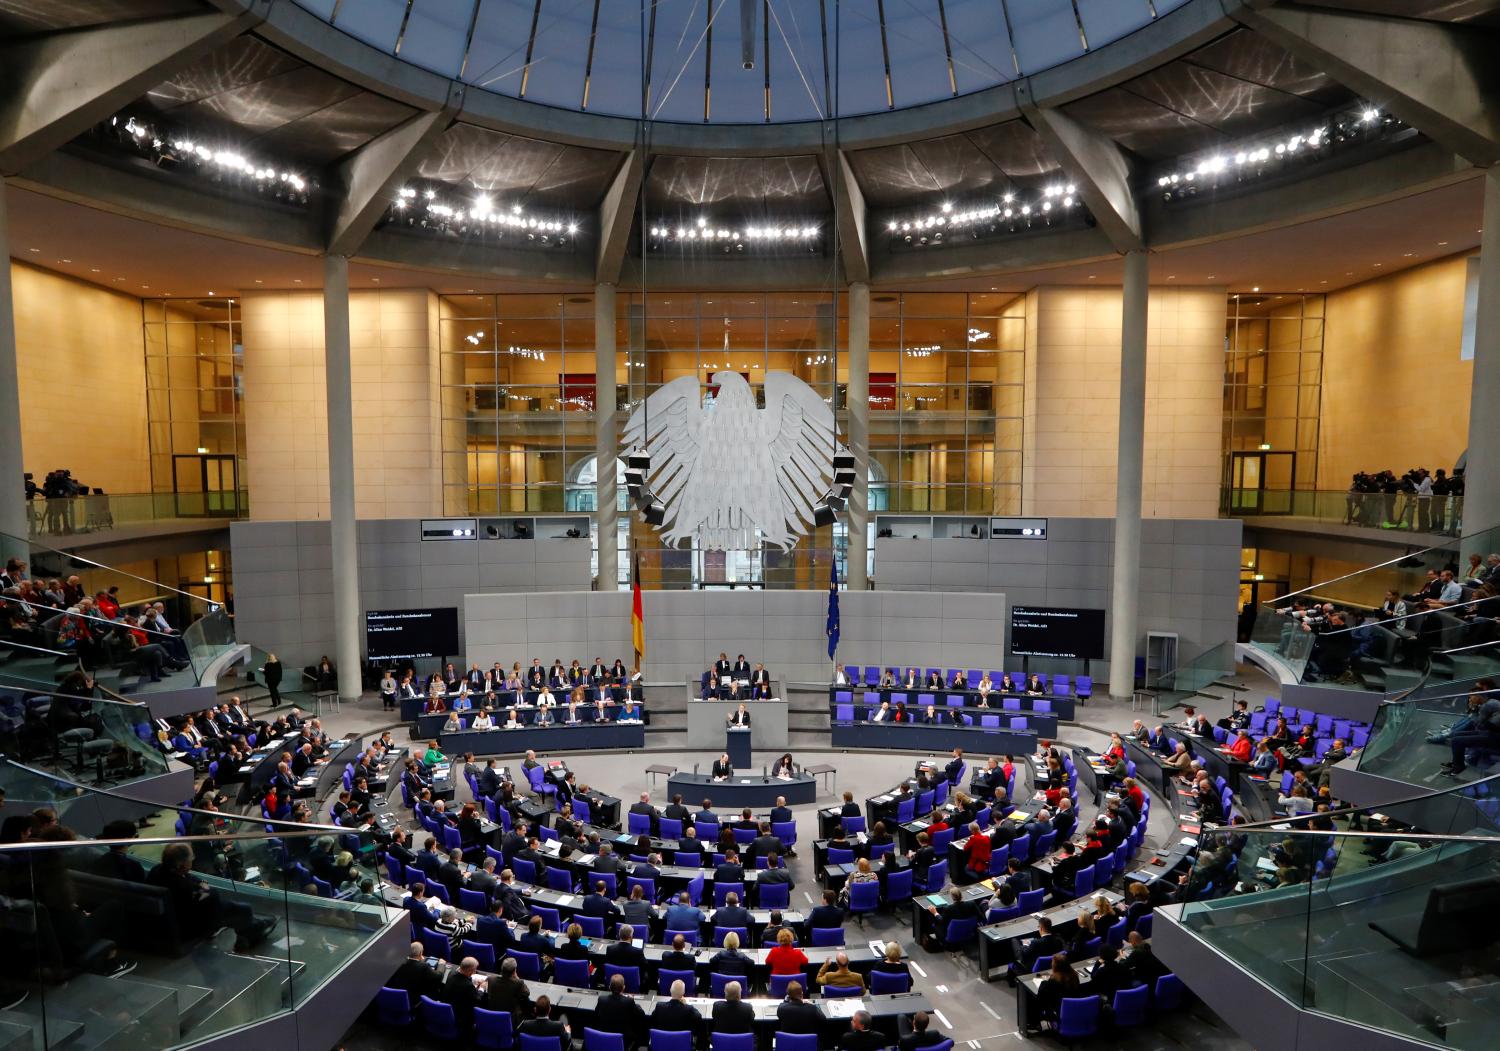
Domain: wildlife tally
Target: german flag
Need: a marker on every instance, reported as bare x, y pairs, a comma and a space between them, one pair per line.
637, 615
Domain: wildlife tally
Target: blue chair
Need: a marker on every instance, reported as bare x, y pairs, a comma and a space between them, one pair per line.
632, 976
663, 1040
708, 831
730, 1041
1116, 934
778, 895
779, 982
1130, 1006
473, 901
665, 978
396, 870
924, 801
1041, 965
593, 926
1000, 915
1169, 992
638, 824
393, 1007
528, 964
691, 937
648, 887
864, 897
723, 890
852, 824
906, 809
1104, 871
960, 932
744, 836
882, 982
1031, 900
611, 884
434, 890
717, 982
941, 839
595, 1040
1045, 842
551, 918
433, 943
541, 1043
786, 832
1020, 847
788, 1042
484, 952
670, 828
842, 990
827, 936
840, 856
570, 972
937, 876
878, 851
524, 870
898, 885
1143, 926
548, 835
438, 1019
1079, 1017
1083, 883
450, 838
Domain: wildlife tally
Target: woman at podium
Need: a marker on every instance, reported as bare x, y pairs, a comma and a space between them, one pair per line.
739, 717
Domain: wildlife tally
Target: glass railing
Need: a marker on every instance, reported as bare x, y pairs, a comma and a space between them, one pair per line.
80, 734
1337, 632
210, 921
137, 660
1410, 737
1212, 665
1385, 918
1433, 515
72, 515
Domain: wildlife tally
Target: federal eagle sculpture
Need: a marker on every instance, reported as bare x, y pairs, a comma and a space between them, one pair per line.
725, 470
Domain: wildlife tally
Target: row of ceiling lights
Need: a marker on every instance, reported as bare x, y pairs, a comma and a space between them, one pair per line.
176, 151
705, 234
429, 208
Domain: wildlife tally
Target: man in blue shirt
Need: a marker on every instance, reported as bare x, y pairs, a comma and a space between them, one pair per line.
684, 915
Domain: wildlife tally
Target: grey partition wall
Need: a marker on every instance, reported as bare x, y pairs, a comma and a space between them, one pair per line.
283, 587
686, 630
1190, 573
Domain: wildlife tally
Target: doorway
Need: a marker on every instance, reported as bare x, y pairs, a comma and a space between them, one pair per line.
1260, 482
206, 485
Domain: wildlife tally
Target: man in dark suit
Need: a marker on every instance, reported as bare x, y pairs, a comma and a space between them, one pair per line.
827, 915
957, 908
722, 767
1044, 944
760, 676
508, 899
683, 915
862, 1035
493, 928
1016, 877
1109, 976
617, 1013
489, 779
731, 1015
764, 844
774, 873
428, 859
733, 914
535, 941
598, 904
416, 978
678, 958
731, 871
514, 841
1065, 870
781, 813
483, 879
463, 992
451, 873
675, 811
706, 814
624, 953
541, 1023
643, 806
955, 767
692, 846
796, 1015
677, 1015
921, 1036
923, 857
741, 668
607, 860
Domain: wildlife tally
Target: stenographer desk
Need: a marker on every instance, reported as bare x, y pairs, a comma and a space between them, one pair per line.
743, 789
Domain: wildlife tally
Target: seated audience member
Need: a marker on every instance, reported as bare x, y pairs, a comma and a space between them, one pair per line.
795, 1015
836, 972
785, 958
862, 1035
1061, 982
676, 1015
416, 978
543, 1024
731, 1015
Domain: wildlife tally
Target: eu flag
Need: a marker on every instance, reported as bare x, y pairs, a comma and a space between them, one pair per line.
833, 607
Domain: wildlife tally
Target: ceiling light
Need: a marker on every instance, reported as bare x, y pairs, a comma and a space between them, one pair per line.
1369, 116
1255, 289
93, 269
66, 260
33, 249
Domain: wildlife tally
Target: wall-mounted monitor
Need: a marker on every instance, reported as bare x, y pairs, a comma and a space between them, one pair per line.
1054, 631
407, 634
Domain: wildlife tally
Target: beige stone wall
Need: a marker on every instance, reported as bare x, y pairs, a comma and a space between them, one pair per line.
1072, 401
1395, 394
82, 375
393, 350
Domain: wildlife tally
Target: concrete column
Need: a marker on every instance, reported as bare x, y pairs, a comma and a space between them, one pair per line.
13, 519
337, 370
606, 441
1482, 472
858, 361
1125, 598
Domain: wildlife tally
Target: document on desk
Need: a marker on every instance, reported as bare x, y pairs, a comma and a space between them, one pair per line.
842, 1007
1189, 841
878, 948
565, 900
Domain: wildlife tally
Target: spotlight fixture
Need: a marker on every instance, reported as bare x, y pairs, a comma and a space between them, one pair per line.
440, 209
172, 149
1350, 126
1007, 215
704, 234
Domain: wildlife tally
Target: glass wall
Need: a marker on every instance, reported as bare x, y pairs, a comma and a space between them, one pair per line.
947, 375
1273, 376
518, 376
195, 403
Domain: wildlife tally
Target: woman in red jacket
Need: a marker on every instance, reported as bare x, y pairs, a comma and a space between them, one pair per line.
786, 958
977, 853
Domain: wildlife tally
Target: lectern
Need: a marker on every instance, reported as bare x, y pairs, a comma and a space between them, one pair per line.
737, 744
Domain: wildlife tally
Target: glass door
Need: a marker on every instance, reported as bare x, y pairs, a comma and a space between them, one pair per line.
1260, 482
206, 485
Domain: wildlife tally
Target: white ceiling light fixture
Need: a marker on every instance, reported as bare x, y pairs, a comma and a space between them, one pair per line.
707, 234
171, 149
441, 210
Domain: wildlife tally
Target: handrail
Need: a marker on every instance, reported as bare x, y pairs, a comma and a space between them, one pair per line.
37, 649
1405, 616
75, 557
1456, 544
86, 697
158, 805
89, 616
1460, 787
